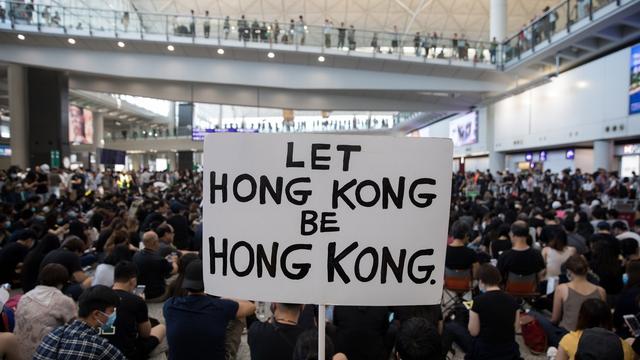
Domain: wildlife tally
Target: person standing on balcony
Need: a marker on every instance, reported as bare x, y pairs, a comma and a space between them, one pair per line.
327, 33
56, 19
207, 24
394, 40
434, 43
546, 23
192, 24
29, 8
376, 48
454, 46
125, 21
553, 18
292, 31
582, 7
300, 30
264, 35
46, 15
242, 24
255, 30
425, 44
342, 32
226, 27
492, 50
462, 48
416, 43
276, 31
351, 36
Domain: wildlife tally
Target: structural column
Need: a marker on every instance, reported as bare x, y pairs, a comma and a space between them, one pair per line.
48, 104
185, 160
603, 151
98, 136
18, 110
497, 162
498, 17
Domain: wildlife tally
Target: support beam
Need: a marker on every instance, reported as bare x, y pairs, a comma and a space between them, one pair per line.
423, 4
402, 5
613, 33
589, 44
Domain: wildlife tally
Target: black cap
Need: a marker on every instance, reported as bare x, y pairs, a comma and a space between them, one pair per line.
603, 225
193, 276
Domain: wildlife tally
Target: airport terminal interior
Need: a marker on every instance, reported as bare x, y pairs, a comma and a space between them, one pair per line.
105, 249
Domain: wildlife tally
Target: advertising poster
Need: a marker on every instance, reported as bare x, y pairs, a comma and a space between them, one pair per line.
326, 219
80, 125
634, 81
464, 130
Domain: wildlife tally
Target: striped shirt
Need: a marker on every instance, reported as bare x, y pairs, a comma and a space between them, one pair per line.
76, 341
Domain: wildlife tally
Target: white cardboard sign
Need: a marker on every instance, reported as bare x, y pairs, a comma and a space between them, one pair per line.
326, 219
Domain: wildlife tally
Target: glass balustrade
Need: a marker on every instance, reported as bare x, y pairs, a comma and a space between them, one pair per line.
248, 32
558, 19
286, 35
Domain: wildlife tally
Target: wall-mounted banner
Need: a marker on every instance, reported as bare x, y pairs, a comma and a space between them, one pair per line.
326, 219
634, 80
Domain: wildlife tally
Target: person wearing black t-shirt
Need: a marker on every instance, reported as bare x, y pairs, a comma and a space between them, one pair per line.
502, 243
493, 317
69, 257
459, 256
521, 259
12, 255
361, 332
276, 338
78, 183
42, 181
134, 335
153, 268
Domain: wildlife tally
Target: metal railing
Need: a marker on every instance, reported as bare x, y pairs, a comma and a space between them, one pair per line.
180, 28
555, 20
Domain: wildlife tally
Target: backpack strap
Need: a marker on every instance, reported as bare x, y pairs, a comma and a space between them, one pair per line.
5, 321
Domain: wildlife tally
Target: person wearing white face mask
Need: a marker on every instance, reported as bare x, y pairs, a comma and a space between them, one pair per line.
80, 339
493, 322
43, 309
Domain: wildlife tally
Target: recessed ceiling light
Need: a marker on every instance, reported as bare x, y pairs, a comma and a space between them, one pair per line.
220, 51
21, 37
271, 55
121, 44
71, 41
321, 58
170, 47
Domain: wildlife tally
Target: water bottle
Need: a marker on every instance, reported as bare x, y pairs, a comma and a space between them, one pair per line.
261, 312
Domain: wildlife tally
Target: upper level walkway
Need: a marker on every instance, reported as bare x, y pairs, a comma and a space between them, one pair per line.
176, 29
197, 58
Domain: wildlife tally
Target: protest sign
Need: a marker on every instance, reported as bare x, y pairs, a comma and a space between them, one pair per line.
326, 219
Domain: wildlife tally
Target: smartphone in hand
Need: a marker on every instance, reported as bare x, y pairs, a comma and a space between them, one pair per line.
633, 324
139, 290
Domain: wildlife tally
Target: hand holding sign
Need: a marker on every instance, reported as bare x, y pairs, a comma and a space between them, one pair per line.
354, 220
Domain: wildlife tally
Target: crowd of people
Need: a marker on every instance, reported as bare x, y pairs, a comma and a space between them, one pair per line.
83, 255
